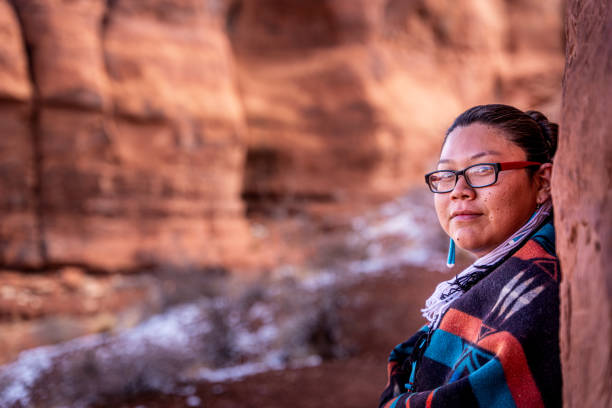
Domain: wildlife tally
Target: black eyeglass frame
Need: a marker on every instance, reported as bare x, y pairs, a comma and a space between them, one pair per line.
496, 166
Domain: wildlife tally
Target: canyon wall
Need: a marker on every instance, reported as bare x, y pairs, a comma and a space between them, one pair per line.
346, 99
582, 193
179, 134
138, 134
126, 135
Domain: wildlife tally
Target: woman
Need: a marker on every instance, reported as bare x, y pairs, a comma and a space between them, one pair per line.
492, 333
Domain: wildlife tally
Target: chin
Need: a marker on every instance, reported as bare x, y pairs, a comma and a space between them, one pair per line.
470, 248
476, 248
467, 237
470, 244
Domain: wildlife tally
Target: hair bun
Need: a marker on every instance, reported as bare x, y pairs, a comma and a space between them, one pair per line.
549, 130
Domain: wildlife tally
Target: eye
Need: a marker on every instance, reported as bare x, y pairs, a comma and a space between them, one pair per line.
483, 170
442, 176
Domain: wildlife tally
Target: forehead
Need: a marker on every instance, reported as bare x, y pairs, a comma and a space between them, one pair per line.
463, 143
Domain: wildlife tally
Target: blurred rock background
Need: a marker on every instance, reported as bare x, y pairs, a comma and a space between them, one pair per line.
151, 152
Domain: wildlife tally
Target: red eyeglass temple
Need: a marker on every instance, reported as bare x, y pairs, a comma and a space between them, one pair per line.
517, 165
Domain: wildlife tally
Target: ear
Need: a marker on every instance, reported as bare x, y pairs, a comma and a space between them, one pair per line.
542, 181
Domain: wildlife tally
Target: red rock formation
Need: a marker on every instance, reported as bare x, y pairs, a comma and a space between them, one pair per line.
135, 134
138, 130
350, 98
18, 228
582, 192
139, 133
120, 149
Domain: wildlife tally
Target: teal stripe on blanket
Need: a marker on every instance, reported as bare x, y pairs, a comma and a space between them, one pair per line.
489, 386
445, 348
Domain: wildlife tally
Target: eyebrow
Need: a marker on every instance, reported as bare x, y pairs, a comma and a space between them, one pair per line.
477, 155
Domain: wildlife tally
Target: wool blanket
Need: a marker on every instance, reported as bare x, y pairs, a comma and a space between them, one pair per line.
496, 346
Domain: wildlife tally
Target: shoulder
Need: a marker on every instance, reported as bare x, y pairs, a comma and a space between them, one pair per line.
522, 293
537, 257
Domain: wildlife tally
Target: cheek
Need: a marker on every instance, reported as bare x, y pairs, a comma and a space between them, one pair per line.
497, 206
441, 202
493, 204
509, 207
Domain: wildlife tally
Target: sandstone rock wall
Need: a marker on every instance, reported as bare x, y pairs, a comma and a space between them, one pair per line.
128, 150
346, 99
137, 135
134, 130
582, 192
19, 227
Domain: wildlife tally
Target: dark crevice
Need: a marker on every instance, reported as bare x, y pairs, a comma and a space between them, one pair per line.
143, 120
71, 106
273, 196
50, 267
263, 167
231, 17
110, 5
282, 204
146, 268
36, 136
104, 24
54, 267
6, 100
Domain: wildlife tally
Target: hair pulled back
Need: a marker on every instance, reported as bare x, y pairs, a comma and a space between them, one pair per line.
529, 130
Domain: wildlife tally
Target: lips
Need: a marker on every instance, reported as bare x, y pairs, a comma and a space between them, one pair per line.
465, 215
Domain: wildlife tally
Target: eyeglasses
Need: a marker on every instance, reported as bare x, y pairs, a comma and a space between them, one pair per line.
476, 175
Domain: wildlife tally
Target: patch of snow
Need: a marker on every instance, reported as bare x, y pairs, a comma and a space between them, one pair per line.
173, 329
193, 401
272, 362
404, 232
182, 341
26, 371
254, 342
261, 311
319, 280
234, 373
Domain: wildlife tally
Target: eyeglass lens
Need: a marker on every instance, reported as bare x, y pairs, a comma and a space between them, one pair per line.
476, 176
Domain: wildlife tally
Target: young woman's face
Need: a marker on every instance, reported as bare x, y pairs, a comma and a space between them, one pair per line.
479, 219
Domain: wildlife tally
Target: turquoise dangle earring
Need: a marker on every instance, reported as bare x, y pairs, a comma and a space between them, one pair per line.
450, 260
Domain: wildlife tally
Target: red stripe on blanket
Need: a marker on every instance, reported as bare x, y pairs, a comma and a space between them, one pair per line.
461, 324
390, 368
531, 250
506, 348
388, 404
518, 376
429, 399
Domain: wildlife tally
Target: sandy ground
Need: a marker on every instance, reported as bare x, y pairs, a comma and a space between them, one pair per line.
377, 313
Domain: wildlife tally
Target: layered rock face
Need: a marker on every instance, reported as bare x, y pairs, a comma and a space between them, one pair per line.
133, 129
136, 128
121, 150
582, 192
346, 99
19, 227
139, 135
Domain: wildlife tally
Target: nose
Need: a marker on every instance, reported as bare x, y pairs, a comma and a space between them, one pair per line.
462, 189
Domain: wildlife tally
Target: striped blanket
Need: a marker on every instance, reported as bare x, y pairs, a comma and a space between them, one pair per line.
496, 346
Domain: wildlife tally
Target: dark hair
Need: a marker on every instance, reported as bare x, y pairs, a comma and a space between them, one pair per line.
529, 130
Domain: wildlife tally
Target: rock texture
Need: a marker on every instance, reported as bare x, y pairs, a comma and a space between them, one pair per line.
582, 191
187, 134
120, 151
137, 127
348, 99
141, 127
18, 205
